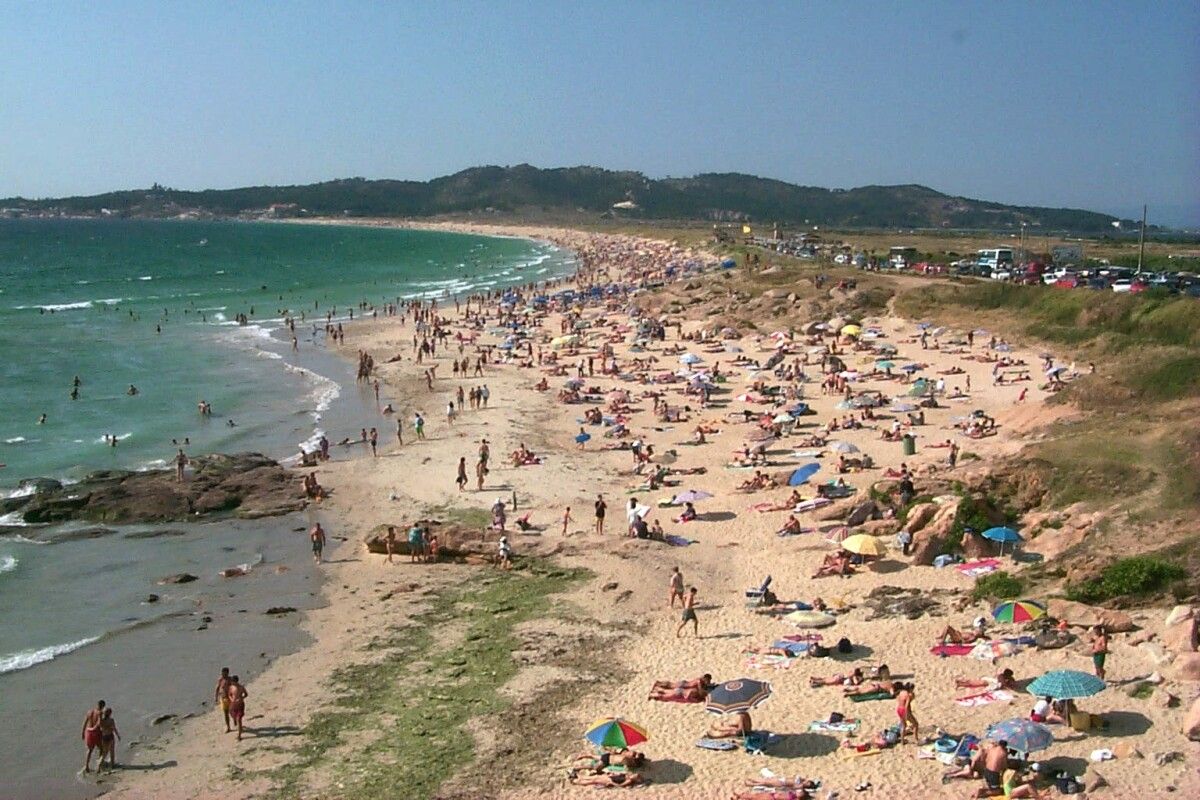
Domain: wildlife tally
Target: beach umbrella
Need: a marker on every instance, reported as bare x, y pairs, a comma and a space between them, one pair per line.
1002, 535
884, 364
838, 534
863, 545
910, 368
842, 447
690, 358
802, 474
848, 374
1064, 684
1050, 373
885, 348
1021, 734
903, 408
851, 330
690, 496
615, 732
1018, 611
736, 696
781, 419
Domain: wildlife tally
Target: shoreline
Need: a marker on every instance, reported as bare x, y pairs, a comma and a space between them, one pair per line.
624, 594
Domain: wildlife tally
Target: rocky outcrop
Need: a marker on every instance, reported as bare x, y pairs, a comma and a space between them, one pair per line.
1186, 667
1180, 632
454, 541
1080, 614
928, 542
1191, 721
247, 485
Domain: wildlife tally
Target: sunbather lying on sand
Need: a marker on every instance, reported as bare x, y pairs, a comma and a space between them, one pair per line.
1003, 680
891, 687
952, 635
737, 725
855, 678
835, 564
589, 761
608, 779
677, 690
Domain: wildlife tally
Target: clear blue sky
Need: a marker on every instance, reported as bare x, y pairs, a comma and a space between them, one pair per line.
1084, 104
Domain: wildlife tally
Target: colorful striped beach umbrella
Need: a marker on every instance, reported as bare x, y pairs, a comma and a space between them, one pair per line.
736, 696
1018, 611
1064, 684
615, 732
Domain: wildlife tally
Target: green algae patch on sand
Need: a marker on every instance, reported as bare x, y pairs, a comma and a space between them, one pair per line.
398, 725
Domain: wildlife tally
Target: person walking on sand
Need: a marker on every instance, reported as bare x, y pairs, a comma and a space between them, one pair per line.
390, 543
461, 478
689, 614
237, 695
221, 697
317, 535
400, 431
109, 735
181, 461
601, 510
904, 710
1099, 650
91, 732
675, 587
481, 472
374, 442
566, 520
419, 425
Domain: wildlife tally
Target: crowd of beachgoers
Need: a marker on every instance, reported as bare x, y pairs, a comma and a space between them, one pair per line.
778, 502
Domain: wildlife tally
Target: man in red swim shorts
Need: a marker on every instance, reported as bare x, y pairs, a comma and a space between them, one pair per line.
91, 733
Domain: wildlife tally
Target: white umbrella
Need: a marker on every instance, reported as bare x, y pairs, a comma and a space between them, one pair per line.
843, 447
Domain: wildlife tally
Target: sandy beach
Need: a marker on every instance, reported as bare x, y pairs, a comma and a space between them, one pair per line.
611, 636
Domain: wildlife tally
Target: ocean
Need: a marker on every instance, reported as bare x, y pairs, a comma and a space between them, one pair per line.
153, 304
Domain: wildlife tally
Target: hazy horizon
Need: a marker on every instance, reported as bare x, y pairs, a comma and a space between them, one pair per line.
1089, 105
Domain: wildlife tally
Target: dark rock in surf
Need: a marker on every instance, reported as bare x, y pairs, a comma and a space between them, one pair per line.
182, 577
247, 485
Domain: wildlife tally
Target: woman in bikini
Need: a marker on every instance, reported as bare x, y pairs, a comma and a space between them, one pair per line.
108, 739
904, 710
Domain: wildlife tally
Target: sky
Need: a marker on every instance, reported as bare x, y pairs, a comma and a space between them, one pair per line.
1082, 104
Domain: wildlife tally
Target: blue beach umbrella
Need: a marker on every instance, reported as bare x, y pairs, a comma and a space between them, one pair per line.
884, 364
1065, 684
1021, 734
736, 696
1002, 535
802, 474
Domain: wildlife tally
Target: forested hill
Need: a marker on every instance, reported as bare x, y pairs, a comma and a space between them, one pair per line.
585, 190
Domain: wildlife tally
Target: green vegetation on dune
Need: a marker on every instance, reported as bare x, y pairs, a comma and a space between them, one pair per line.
1128, 577
997, 586
398, 725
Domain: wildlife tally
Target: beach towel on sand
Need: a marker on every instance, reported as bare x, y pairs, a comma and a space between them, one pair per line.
944, 650
973, 569
678, 541
716, 744
863, 698
984, 698
761, 661
845, 726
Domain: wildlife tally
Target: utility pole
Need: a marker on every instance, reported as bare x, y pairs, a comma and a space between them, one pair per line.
1142, 241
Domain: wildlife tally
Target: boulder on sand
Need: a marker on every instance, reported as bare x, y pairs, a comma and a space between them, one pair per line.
1081, 614
1181, 634
919, 516
861, 513
928, 542
1191, 721
454, 541
1186, 667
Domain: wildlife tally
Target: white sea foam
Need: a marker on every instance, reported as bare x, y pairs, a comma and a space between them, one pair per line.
28, 658
20, 491
8, 563
120, 438
219, 317
19, 539
146, 278
325, 391
13, 519
16, 440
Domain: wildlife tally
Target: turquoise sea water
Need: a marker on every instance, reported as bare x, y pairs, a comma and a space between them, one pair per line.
152, 304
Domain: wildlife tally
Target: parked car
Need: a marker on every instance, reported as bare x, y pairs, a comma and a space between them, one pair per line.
1067, 282
1001, 274
1122, 285
1098, 284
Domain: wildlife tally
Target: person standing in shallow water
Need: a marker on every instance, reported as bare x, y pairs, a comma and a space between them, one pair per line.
92, 738
317, 535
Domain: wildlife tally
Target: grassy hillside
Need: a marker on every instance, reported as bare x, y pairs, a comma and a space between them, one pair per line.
589, 190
